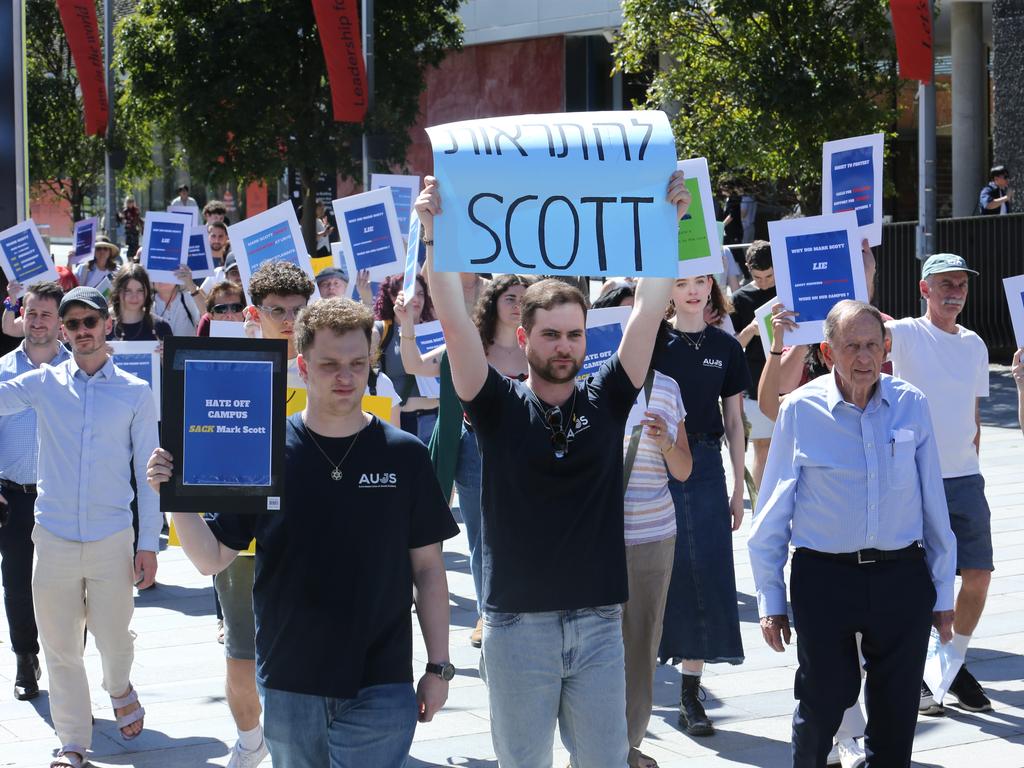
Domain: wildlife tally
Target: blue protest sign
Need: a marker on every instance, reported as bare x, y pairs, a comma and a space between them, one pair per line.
817, 264
140, 359
85, 239
403, 190
164, 245
563, 194
273, 235
852, 181
429, 337
23, 255
227, 429
604, 334
200, 259
369, 232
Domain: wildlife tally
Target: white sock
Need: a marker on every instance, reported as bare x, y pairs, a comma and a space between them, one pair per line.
960, 643
251, 740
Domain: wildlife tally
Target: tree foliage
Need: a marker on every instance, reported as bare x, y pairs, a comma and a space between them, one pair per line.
62, 159
759, 85
242, 85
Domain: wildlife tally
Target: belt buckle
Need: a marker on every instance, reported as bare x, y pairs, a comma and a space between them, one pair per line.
861, 560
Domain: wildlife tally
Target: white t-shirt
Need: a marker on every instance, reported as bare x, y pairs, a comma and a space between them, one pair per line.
181, 314
952, 371
386, 388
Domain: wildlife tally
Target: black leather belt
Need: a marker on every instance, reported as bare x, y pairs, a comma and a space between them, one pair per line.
867, 556
7, 485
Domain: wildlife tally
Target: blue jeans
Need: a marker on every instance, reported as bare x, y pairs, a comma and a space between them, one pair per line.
373, 730
559, 665
467, 482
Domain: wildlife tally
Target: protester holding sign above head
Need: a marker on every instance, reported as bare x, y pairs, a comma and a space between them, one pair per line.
357, 541
131, 302
418, 413
949, 363
86, 407
552, 534
702, 623
497, 316
104, 263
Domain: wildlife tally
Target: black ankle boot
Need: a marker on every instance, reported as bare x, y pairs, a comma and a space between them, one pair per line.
26, 678
692, 717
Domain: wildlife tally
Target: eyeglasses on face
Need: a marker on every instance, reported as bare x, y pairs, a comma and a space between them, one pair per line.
89, 322
223, 309
280, 314
559, 440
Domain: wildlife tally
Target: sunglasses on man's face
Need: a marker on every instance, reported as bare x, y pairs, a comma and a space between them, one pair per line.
88, 322
223, 309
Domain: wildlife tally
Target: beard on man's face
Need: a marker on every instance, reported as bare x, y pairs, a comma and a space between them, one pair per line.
553, 369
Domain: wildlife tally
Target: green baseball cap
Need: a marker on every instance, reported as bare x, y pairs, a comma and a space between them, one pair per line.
944, 262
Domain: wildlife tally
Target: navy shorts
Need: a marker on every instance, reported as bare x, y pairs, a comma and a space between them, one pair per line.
971, 521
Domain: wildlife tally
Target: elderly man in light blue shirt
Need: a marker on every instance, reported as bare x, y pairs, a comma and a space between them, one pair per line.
94, 421
853, 483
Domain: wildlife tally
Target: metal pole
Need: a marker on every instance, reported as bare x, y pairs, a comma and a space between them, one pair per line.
108, 166
926, 166
368, 61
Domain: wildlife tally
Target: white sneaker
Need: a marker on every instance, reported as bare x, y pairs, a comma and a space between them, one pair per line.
851, 753
833, 756
244, 758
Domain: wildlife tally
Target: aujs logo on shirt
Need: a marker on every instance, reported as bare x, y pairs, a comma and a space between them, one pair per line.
378, 480
710, 362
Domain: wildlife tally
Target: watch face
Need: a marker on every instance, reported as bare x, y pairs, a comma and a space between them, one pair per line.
447, 671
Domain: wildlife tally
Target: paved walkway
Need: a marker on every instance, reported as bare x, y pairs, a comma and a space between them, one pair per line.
179, 669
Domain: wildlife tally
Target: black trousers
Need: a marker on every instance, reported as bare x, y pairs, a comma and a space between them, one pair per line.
890, 604
16, 550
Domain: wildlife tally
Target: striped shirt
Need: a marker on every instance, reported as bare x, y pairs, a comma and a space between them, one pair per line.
650, 513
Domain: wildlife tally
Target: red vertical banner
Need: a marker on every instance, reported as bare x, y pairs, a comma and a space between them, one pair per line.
79, 20
255, 198
338, 23
912, 25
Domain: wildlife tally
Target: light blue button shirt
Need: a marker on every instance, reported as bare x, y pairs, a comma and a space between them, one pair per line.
19, 448
90, 428
842, 479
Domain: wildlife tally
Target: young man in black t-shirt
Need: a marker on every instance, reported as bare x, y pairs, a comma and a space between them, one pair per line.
746, 300
337, 567
552, 503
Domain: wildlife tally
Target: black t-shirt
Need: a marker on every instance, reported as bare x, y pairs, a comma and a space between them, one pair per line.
716, 370
138, 332
333, 586
552, 530
745, 301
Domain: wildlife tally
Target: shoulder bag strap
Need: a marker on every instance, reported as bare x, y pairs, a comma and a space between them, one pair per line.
634, 437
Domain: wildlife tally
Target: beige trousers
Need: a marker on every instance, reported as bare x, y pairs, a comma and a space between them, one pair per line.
76, 584
649, 569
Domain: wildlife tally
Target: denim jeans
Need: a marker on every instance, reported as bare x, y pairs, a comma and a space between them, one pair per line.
559, 665
467, 482
373, 730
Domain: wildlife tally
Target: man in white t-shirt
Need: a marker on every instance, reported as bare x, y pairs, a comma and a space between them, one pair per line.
950, 365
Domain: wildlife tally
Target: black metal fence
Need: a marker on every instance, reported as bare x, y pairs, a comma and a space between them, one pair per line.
993, 245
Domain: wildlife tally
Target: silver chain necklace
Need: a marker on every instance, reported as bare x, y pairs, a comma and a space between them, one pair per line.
336, 473
700, 339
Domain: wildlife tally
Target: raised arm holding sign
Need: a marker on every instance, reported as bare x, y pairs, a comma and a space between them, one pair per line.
563, 194
23, 255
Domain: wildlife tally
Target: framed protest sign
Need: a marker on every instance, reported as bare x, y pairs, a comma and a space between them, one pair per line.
223, 422
200, 257
700, 249
84, 238
1014, 287
369, 230
274, 235
164, 246
580, 193
604, 334
763, 316
818, 263
24, 256
189, 211
429, 337
404, 190
851, 180
141, 359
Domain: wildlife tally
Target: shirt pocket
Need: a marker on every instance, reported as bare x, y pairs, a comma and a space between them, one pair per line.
902, 458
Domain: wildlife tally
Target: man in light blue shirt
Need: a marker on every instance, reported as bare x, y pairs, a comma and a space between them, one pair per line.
853, 482
18, 456
93, 420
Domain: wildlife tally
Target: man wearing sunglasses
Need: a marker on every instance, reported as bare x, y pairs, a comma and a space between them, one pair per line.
94, 420
552, 503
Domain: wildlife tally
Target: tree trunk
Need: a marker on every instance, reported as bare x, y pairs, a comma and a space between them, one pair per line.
309, 211
75, 197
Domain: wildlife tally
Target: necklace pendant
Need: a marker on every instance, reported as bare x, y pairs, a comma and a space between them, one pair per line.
335, 474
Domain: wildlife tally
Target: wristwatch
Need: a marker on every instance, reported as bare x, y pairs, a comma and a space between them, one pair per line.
445, 670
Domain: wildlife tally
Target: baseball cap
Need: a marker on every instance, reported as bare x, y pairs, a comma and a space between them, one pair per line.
230, 263
944, 262
82, 295
329, 272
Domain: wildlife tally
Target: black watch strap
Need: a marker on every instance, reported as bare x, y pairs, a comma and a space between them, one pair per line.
445, 670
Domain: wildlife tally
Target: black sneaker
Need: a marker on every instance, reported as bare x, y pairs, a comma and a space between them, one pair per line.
928, 705
692, 716
969, 693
